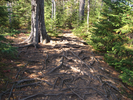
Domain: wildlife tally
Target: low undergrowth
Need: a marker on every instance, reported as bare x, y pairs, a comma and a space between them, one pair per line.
6, 50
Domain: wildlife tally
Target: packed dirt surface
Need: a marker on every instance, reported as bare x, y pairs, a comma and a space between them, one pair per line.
64, 69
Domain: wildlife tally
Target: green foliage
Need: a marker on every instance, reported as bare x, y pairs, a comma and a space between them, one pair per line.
6, 50
3, 16
13, 32
7, 31
63, 17
122, 59
109, 35
82, 32
49, 22
21, 15
67, 14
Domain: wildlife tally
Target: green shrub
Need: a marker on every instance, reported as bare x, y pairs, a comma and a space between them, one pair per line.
109, 35
122, 59
3, 16
6, 50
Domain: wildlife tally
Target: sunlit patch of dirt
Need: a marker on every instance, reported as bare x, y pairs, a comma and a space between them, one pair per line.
17, 38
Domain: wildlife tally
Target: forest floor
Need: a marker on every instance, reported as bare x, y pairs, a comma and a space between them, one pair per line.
64, 69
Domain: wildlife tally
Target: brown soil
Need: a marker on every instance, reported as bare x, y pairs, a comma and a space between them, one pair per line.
64, 69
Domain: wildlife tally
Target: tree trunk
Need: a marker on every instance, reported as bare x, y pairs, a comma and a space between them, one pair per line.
38, 30
52, 9
9, 9
34, 23
88, 12
44, 38
81, 10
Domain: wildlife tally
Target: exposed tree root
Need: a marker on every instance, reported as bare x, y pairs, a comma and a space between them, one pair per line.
61, 63
25, 85
77, 79
26, 45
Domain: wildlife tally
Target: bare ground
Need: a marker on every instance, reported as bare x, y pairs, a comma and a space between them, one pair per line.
64, 69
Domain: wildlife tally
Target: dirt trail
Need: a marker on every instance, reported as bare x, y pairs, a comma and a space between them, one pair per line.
64, 69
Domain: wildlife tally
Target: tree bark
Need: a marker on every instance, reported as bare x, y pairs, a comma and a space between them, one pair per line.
88, 12
38, 30
34, 22
9, 9
52, 9
43, 37
81, 10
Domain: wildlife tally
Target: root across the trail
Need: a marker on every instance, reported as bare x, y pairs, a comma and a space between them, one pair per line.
64, 69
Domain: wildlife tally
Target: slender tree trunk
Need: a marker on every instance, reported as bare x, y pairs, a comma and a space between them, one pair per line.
63, 6
38, 30
9, 9
88, 12
54, 9
81, 10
